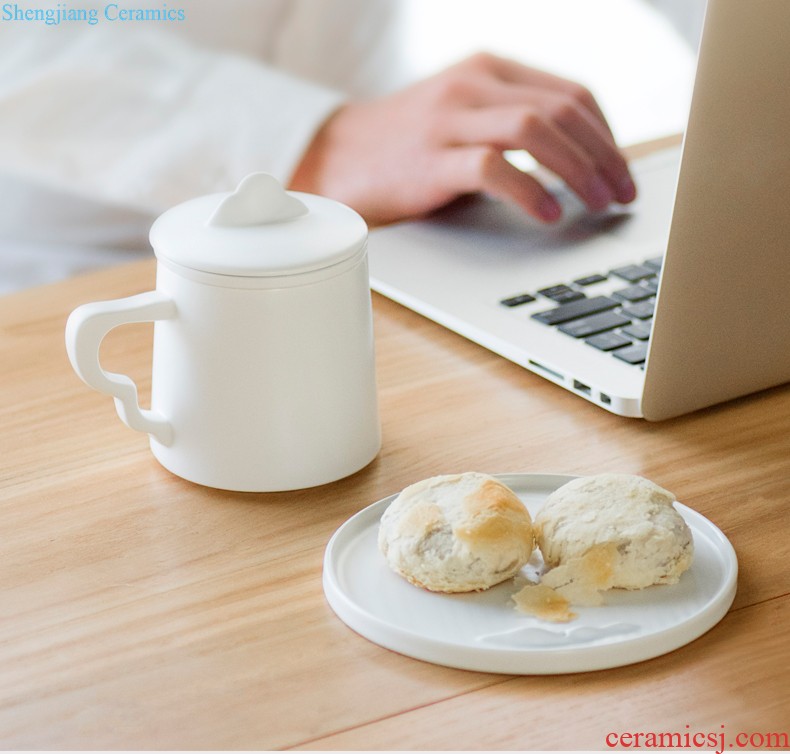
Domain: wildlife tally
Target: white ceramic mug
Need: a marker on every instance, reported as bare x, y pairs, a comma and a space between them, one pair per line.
263, 362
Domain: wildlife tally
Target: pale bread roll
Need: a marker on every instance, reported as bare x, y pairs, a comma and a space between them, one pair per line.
629, 517
456, 533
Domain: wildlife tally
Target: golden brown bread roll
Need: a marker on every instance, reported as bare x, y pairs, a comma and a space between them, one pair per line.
627, 518
456, 533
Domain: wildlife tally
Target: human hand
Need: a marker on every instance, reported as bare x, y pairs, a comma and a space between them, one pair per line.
409, 153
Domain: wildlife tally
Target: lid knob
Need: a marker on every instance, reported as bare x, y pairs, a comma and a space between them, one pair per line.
259, 199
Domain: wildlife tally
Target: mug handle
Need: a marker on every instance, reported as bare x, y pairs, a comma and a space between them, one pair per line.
86, 327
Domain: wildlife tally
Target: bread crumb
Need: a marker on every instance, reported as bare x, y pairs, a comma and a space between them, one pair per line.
578, 582
544, 602
581, 580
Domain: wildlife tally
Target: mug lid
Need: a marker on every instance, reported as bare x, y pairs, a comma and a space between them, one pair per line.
258, 230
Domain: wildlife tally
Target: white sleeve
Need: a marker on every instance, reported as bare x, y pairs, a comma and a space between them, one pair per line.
146, 119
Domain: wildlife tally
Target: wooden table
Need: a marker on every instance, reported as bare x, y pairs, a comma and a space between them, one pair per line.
140, 611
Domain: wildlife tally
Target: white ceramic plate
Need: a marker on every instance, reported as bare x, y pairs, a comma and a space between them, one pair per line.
483, 631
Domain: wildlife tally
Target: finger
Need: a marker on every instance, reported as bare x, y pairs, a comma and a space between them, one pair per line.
587, 131
512, 72
582, 126
555, 105
524, 128
464, 170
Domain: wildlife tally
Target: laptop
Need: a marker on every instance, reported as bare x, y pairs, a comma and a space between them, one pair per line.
676, 302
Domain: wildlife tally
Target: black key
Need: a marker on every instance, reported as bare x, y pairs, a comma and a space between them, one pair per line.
575, 309
522, 298
590, 279
608, 341
638, 330
640, 310
650, 285
633, 272
635, 354
654, 262
633, 293
581, 328
562, 294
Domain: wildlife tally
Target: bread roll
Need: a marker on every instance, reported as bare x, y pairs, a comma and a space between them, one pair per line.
628, 518
457, 533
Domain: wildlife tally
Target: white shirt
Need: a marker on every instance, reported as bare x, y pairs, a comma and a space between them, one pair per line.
147, 113
105, 125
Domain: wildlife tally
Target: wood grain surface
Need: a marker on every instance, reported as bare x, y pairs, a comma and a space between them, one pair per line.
140, 611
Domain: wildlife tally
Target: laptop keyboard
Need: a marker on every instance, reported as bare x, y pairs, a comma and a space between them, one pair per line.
617, 322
